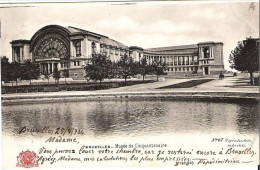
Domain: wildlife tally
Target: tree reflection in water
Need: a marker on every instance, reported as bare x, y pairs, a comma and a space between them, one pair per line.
134, 118
248, 118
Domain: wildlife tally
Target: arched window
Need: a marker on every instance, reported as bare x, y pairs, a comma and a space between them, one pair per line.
17, 53
206, 52
77, 45
93, 46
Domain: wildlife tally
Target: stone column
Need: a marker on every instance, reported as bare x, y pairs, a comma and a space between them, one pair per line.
58, 66
83, 47
202, 53
212, 52
13, 54
52, 67
72, 49
200, 56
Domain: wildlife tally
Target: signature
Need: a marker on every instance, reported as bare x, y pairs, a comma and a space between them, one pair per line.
52, 131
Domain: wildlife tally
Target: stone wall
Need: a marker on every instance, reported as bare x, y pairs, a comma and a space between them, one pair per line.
218, 54
77, 73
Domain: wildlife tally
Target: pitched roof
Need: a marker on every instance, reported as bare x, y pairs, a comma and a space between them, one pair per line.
74, 30
103, 40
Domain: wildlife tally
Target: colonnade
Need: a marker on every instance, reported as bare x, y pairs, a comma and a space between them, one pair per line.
47, 68
173, 60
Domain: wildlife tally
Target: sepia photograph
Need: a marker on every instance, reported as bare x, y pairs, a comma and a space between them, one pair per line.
162, 84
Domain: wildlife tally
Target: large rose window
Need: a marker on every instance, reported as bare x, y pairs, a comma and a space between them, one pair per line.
51, 46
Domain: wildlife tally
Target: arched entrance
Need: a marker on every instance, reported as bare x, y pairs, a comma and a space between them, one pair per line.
50, 46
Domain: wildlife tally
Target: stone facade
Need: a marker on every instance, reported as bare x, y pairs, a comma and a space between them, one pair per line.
200, 59
54, 46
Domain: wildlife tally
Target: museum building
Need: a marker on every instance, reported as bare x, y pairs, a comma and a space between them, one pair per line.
55, 46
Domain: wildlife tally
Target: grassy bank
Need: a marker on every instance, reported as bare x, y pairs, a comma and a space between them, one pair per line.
69, 87
187, 84
171, 96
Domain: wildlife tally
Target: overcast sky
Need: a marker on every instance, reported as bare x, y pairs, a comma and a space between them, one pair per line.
143, 24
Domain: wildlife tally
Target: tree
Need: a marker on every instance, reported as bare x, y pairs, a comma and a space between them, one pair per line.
144, 68
98, 67
113, 71
29, 71
65, 74
245, 57
15, 72
159, 68
5, 69
126, 65
56, 75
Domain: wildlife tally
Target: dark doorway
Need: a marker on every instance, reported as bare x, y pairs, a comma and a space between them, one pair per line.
206, 69
51, 68
55, 65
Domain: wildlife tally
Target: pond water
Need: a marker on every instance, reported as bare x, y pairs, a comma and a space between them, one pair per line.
135, 118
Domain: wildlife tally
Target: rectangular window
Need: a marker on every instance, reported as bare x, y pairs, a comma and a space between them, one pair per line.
175, 61
78, 63
192, 60
179, 69
74, 63
188, 69
17, 53
175, 69
183, 60
183, 69
78, 48
179, 60
187, 60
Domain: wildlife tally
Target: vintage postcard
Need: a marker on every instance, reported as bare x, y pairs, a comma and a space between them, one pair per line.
152, 84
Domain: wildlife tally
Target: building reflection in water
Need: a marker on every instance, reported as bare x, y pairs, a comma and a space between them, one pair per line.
134, 118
